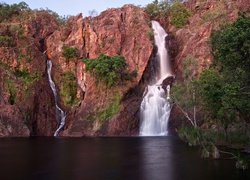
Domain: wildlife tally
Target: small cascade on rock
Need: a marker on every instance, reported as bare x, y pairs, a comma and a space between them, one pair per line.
155, 107
60, 114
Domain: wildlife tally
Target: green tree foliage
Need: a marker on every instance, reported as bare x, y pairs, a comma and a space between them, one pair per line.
110, 70
6, 41
185, 93
9, 11
26, 77
68, 52
11, 88
111, 109
68, 89
179, 14
158, 8
176, 10
10, 34
230, 47
231, 44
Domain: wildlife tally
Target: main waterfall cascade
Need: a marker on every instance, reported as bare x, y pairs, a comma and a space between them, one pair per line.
155, 107
60, 114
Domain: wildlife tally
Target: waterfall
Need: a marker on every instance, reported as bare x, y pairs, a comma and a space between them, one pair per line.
155, 107
60, 114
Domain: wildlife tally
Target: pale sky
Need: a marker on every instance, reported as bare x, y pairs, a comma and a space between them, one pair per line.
74, 7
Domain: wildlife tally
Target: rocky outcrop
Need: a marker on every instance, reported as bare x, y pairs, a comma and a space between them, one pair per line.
26, 101
193, 38
121, 31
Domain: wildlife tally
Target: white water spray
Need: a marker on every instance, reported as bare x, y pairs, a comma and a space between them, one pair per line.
155, 108
60, 115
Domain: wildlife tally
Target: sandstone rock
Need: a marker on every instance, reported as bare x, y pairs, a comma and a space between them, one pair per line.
193, 38
120, 31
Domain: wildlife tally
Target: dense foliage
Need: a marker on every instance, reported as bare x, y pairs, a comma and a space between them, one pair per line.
158, 8
185, 93
230, 73
68, 89
221, 93
8, 11
68, 52
111, 109
110, 70
177, 12
18, 12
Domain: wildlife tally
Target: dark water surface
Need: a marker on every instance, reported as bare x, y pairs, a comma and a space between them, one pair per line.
149, 158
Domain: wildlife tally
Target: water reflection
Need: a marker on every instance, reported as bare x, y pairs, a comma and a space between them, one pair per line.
146, 158
157, 159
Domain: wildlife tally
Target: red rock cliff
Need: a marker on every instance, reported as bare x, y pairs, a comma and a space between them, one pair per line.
26, 101
121, 31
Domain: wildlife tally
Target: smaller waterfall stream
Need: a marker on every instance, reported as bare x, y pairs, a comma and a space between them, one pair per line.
60, 114
155, 108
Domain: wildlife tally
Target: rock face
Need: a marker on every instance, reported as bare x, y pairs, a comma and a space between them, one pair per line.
27, 102
113, 32
27, 105
193, 38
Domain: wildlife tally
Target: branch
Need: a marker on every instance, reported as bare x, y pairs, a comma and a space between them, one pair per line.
186, 115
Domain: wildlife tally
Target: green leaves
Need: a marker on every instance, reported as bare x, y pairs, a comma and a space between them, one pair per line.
179, 14
158, 8
231, 49
68, 52
231, 44
107, 69
8, 11
111, 109
68, 90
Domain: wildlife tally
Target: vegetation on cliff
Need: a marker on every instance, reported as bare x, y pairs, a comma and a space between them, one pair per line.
68, 52
175, 10
222, 92
110, 70
68, 90
217, 98
112, 108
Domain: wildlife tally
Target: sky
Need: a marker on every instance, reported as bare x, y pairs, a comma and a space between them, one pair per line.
74, 7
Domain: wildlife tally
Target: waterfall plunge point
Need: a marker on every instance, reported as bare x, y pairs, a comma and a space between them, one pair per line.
155, 107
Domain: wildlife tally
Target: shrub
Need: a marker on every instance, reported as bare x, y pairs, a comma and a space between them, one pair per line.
68, 89
158, 8
6, 41
8, 11
106, 69
226, 83
68, 52
179, 14
111, 109
190, 134
11, 88
26, 77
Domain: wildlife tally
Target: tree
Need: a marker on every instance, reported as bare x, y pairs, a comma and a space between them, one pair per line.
185, 93
93, 13
68, 52
158, 8
106, 69
68, 89
152, 9
179, 14
230, 46
8, 11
